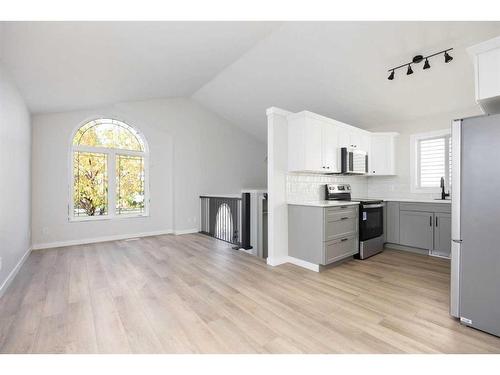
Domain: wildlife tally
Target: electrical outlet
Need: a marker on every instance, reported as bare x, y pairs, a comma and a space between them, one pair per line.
45, 231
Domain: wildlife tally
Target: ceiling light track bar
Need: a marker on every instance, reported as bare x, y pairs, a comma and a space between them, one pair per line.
418, 59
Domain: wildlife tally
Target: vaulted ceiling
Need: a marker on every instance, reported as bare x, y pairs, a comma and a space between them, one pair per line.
238, 69
62, 66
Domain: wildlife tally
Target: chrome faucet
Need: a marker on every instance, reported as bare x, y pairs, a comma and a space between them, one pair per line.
443, 194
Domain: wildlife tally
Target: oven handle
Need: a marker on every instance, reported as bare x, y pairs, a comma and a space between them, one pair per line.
372, 205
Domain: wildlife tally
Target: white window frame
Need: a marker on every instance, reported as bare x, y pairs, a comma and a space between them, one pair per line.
111, 154
414, 160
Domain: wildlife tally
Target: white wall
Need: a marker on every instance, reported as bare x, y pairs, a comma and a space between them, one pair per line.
192, 152
277, 208
399, 186
15, 179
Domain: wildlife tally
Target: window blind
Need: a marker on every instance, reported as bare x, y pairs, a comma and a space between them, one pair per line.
433, 161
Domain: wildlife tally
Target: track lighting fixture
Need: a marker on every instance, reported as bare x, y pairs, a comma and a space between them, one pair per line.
447, 58
418, 59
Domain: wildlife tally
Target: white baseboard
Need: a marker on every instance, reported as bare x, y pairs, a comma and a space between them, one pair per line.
304, 264
185, 231
298, 262
276, 261
14, 272
85, 241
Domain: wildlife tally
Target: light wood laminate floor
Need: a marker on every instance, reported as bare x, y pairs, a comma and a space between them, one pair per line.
194, 294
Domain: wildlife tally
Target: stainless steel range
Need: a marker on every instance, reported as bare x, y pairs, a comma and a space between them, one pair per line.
371, 219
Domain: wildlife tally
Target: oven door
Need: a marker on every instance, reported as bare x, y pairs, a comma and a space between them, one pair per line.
371, 221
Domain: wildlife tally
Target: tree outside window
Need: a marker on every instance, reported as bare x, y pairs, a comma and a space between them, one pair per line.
109, 171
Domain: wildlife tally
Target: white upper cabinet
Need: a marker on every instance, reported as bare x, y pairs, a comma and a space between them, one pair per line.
486, 58
329, 148
381, 160
312, 144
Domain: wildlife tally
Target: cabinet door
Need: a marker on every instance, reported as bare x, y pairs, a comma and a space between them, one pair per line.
312, 146
343, 137
382, 155
355, 139
416, 229
304, 145
442, 234
488, 74
392, 222
365, 142
329, 148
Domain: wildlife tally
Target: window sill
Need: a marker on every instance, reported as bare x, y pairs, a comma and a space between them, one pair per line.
105, 218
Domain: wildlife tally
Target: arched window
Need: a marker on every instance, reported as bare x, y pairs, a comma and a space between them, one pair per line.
109, 171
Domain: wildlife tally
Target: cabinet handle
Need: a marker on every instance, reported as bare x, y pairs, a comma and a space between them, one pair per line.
344, 218
436, 221
344, 239
430, 221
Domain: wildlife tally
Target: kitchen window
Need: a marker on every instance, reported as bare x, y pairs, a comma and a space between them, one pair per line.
430, 160
109, 172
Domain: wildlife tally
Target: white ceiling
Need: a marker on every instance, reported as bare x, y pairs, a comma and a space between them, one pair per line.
339, 69
61, 66
238, 69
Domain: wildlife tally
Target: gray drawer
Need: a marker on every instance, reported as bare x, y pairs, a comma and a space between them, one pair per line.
341, 228
336, 215
341, 248
344, 209
426, 207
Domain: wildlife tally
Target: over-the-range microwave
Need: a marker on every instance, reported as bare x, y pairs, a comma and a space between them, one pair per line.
353, 161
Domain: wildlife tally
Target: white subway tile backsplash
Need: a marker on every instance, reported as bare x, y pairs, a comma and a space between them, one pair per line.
310, 187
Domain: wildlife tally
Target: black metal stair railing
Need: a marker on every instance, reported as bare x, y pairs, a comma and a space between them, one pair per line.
221, 218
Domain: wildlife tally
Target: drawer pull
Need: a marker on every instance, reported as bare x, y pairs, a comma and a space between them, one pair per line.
344, 239
344, 218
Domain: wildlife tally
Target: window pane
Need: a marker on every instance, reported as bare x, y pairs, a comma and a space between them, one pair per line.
431, 162
90, 184
129, 184
108, 133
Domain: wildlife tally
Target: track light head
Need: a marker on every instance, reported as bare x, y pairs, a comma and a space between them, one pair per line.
447, 57
426, 64
409, 71
391, 76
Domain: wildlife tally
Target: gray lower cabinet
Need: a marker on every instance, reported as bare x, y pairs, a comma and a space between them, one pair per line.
416, 229
322, 235
339, 249
391, 222
442, 234
419, 225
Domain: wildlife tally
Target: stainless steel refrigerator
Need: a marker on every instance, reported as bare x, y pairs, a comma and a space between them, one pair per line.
475, 253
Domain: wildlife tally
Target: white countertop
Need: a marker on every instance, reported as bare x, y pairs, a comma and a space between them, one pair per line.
413, 200
325, 203
353, 203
